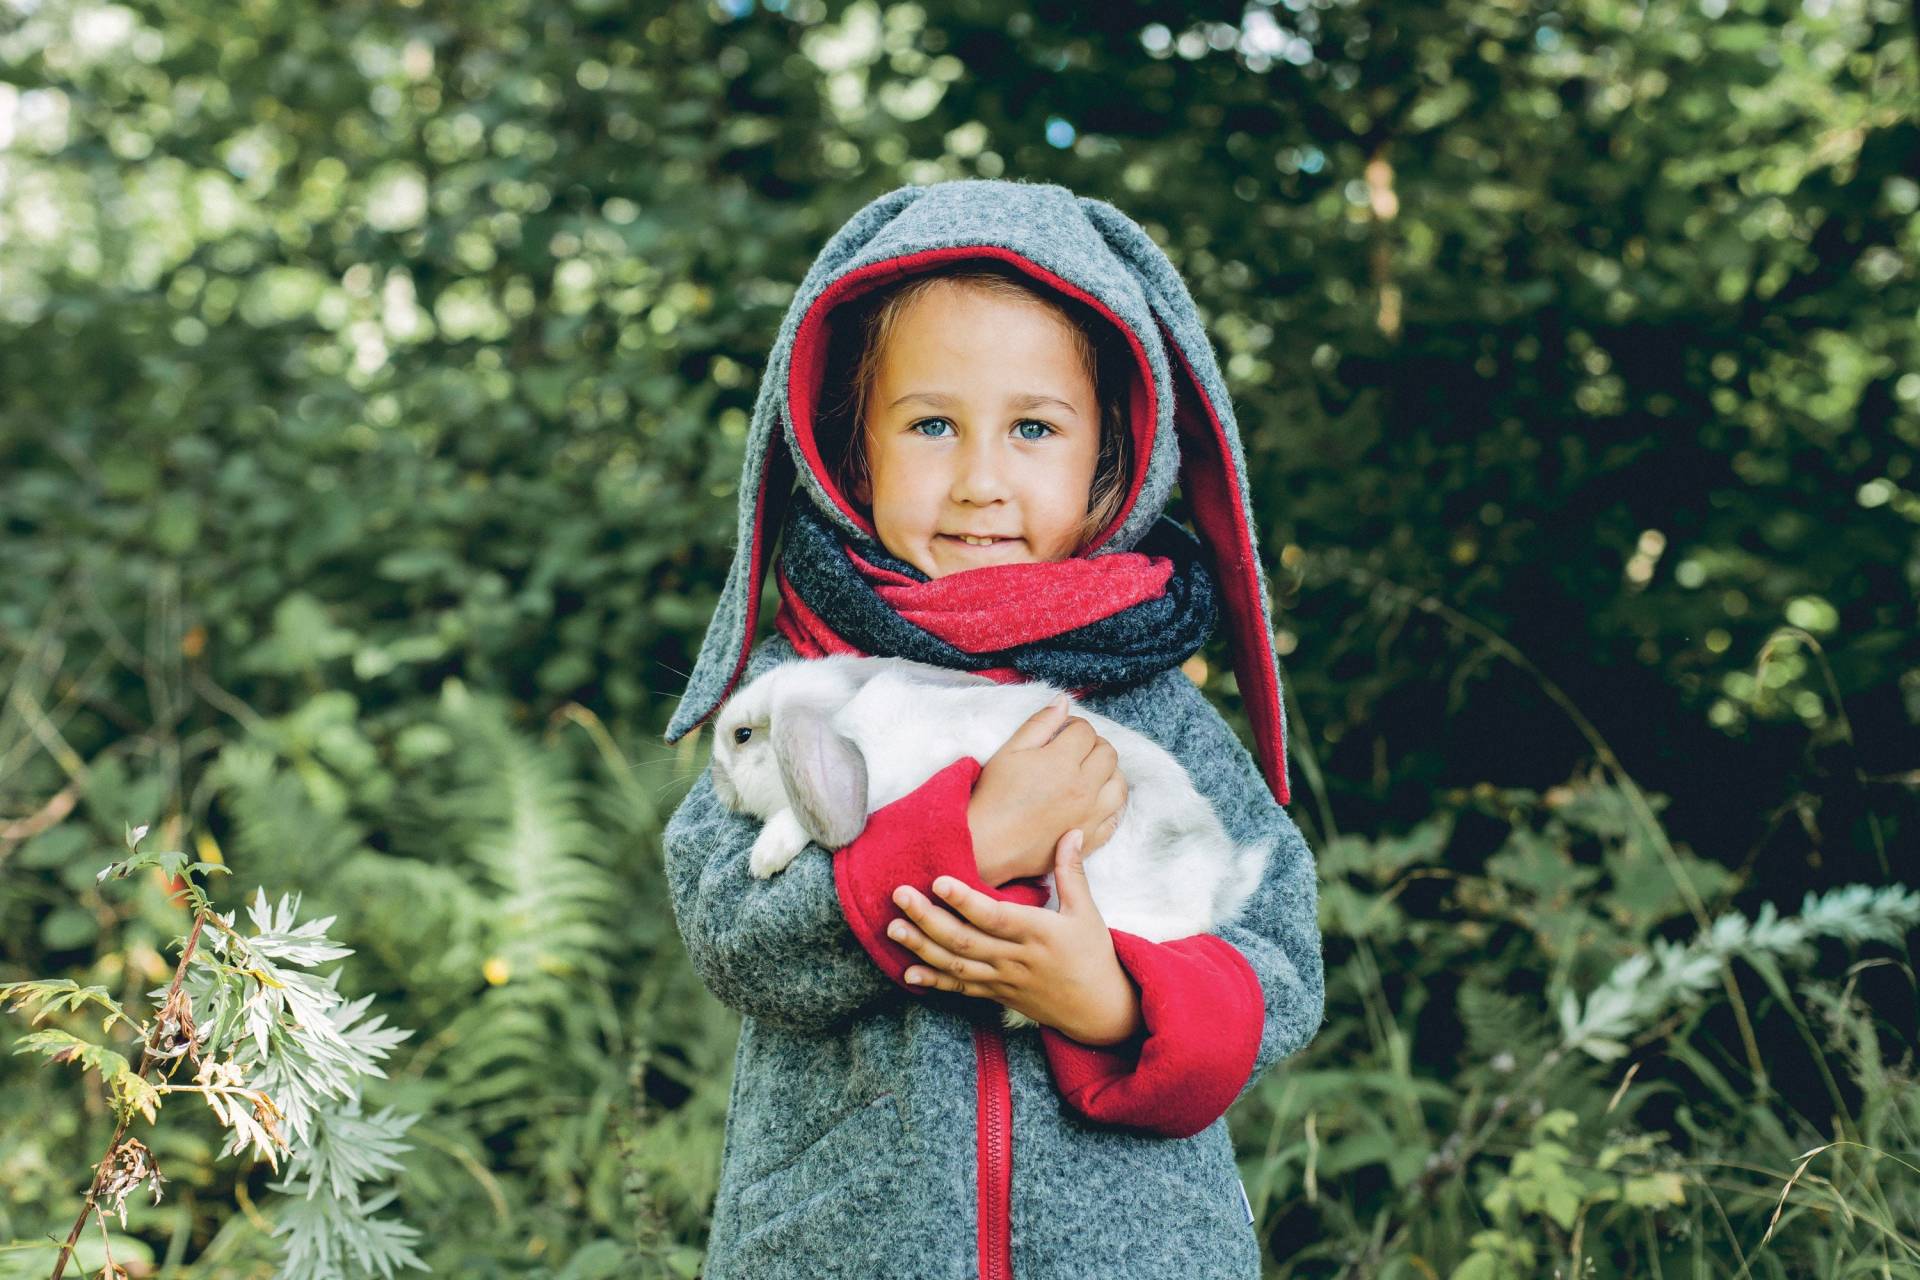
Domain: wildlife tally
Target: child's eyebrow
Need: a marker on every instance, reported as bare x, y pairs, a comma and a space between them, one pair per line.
1027, 400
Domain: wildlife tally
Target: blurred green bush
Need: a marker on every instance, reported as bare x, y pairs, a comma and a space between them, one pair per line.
374, 380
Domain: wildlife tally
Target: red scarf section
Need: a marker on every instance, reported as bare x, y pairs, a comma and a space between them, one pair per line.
994, 607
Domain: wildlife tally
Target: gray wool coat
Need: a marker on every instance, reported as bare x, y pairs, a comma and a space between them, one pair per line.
849, 1147
881, 1130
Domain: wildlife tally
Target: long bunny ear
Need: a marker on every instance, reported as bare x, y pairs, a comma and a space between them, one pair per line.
1213, 475
825, 775
766, 474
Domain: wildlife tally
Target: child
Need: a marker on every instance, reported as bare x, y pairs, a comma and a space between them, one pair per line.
987, 390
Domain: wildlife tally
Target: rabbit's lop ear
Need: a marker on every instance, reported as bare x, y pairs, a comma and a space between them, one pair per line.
825, 775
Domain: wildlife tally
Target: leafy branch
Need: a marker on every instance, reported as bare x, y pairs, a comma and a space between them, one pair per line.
1641, 987
279, 1058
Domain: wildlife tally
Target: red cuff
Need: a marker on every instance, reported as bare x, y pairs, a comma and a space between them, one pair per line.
918, 838
1203, 1011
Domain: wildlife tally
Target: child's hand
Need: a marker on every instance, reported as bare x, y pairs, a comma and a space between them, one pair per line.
1054, 775
1057, 967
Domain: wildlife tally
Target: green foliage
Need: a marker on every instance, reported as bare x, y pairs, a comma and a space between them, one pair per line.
1644, 985
376, 378
1504, 1149
280, 1055
55, 995
174, 864
129, 1091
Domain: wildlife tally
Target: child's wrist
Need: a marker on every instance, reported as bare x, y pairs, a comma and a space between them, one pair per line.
986, 851
1117, 1019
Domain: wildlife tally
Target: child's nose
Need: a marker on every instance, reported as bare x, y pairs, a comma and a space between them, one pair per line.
980, 473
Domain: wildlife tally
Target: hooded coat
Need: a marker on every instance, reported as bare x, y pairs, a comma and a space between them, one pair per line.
880, 1129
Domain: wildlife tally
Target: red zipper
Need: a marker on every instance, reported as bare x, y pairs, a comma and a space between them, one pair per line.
995, 1133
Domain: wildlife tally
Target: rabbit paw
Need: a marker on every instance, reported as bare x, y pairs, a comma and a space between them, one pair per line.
779, 843
1015, 1019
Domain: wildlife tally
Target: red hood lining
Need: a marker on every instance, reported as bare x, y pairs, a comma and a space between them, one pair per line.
808, 366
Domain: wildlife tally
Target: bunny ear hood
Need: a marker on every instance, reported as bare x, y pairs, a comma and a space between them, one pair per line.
1184, 428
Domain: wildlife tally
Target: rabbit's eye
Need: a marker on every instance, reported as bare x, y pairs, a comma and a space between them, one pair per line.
744, 732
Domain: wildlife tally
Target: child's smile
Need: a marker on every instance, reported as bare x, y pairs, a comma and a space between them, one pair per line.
982, 436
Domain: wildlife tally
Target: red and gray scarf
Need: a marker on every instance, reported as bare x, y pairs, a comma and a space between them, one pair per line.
1079, 623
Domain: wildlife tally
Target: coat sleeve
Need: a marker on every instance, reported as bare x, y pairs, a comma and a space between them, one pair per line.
807, 947
915, 840
1219, 1008
777, 949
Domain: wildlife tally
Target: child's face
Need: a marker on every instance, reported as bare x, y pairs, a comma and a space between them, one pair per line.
955, 446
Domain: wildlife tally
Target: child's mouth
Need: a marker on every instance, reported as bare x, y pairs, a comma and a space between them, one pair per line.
980, 545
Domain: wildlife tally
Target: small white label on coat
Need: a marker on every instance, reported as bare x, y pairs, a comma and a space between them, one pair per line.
1246, 1203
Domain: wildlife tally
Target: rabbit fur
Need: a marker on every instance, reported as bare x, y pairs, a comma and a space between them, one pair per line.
812, 747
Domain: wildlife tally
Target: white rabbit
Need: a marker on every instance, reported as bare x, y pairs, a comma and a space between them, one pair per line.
812, 747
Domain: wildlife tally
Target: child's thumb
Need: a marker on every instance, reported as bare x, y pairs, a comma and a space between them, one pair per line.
1070, 870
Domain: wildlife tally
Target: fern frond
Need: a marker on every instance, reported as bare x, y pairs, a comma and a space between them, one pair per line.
1499, 1021
545, 1024
1640, 989
279, 833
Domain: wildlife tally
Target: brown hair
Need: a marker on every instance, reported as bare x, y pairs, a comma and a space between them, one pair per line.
859, 339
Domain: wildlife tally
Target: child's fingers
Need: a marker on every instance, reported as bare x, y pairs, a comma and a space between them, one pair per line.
1039, 728
946, 970
951, 931
1111, 803
1004, 921
934, 979
948, 930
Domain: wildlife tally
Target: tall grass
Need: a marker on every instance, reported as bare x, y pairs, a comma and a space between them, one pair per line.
1576, 1048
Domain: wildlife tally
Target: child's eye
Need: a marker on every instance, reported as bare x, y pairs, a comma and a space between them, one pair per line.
1021, 427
